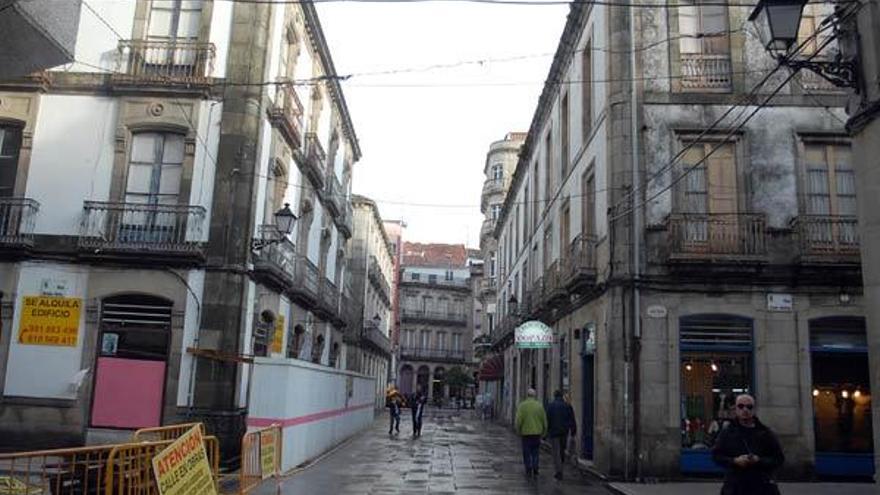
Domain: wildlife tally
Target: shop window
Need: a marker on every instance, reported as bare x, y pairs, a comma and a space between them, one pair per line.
841, 397
716, 366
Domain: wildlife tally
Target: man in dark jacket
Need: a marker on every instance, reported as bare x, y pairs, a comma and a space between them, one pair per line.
749, 452
417, 404
560, 423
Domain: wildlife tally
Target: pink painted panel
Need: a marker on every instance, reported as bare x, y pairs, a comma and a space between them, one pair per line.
128, 393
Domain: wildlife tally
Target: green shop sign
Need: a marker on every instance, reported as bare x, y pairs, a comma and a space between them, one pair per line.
533, 335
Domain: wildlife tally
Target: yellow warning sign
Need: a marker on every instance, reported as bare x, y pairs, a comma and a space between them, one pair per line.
268, 453
183, 469
278, 337
49, 320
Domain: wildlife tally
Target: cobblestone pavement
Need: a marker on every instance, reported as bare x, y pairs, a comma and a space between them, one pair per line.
455, 454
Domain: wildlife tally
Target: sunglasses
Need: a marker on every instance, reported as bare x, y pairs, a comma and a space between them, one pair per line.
745, 406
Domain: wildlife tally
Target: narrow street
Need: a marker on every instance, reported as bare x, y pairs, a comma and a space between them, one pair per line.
455, 454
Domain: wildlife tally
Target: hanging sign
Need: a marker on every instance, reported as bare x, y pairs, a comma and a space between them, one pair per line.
49, 320
533, 335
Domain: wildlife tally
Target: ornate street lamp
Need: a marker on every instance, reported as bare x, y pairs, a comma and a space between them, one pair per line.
778, 22
284, 220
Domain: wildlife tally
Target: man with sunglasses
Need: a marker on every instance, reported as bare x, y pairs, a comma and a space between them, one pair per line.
749, 452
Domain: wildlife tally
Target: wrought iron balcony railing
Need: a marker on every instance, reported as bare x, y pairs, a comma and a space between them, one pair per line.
487, 285
277, 260
333, 195
142, 228
163, 62
719, 236
315, 160
828, 238
433, 316
487, 228
306, 284
17, 219
579, 267
553, 288
705, 71
431, 354
377, 278
286, 114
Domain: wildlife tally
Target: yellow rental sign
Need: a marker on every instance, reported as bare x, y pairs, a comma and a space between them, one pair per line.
278, 337
268, 453
183, 469
49, 320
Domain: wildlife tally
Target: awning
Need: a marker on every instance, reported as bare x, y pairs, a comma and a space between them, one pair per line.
492, 368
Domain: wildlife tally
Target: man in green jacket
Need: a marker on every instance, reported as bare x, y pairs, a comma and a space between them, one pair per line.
531, 425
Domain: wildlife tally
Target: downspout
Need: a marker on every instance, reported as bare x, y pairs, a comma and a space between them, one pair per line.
636, 234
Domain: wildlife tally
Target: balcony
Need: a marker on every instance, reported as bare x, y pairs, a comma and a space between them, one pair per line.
579, 267
534, 297
286, 114
275, 264
488, 228
435, 317
315, 160
378, 280
431, 354
554, 291
17, 219
138, 229
165, 63
487, 286
305, 288
333, 195
344, 221
328, 301
490, 187
372, 336
702, 72
828, 239
720, 237
437, 282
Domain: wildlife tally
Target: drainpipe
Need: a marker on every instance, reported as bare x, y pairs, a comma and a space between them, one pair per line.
636, 233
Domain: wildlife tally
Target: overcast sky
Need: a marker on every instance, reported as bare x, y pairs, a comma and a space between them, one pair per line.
425, 133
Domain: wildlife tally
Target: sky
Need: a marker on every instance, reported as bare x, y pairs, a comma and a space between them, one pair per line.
424, 133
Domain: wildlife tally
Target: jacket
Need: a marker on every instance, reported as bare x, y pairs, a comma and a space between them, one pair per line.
560, 419
736, 440
531, 418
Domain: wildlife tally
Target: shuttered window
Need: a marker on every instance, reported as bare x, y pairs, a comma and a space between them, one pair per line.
10, 144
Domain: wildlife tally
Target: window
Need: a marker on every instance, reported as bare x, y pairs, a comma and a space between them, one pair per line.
425, 339
534, 226
829, 197
548, 167
449, 275
525, 224
564, 233
495, 212
564, 131
711, 187
175, 19
441, 340
492, 264
288, 54
587, 90
498, 172
10, 144
704, 46
456, 342
155, 168
716, 366
432, 278
548, 245
295, 341
588, 204
415, 276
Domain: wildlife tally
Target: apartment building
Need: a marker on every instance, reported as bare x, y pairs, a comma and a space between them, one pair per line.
683, 254
173, 218
435, 316
371, 263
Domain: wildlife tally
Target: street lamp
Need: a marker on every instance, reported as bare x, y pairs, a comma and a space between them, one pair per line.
778, 22
284, 220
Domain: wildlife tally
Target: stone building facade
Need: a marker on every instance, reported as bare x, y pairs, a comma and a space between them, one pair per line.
435, 317
371, 263
683, 254
145, 182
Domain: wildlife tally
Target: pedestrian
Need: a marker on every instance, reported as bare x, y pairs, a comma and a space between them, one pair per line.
393, 400
565, 445
560, 419
749, 452
531, 426
417, 408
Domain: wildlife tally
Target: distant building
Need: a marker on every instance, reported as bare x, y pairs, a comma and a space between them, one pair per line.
435, 316
371, 263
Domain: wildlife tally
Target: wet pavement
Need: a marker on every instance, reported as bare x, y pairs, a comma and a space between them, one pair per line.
456, 453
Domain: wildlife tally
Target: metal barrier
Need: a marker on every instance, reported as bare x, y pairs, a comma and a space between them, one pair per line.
167, 432
98, 470
260, 460
129, 468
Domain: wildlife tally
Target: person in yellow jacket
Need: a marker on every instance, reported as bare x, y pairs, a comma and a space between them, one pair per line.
531, 426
